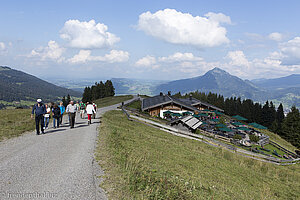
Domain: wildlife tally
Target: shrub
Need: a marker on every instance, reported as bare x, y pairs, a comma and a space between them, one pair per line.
237, 137
254, 138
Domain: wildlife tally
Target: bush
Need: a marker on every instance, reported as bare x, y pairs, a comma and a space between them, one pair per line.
254, 138
237, 137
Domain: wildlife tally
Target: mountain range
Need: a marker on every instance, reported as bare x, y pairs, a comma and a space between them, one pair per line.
216, 81
16, 86
284, 90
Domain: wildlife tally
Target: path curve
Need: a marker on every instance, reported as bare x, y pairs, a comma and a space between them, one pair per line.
57, 165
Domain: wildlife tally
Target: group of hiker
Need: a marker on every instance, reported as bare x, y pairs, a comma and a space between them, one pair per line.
43, 113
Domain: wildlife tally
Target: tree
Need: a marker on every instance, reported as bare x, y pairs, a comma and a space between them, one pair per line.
87, 94
68, 98
291, 127
65, 103
109, 89
98, 91
280, 114
279, 117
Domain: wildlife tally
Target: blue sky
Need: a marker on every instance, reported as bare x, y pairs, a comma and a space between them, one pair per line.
150, 39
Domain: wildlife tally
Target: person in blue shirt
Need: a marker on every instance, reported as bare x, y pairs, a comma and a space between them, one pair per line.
62, 110
39, 110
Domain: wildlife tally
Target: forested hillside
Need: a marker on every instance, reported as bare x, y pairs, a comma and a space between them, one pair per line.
16, 85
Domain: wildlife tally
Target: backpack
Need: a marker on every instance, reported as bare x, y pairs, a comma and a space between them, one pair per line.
82, 106
56, 112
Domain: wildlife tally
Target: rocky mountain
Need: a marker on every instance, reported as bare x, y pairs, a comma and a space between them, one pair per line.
16, 85
217, 81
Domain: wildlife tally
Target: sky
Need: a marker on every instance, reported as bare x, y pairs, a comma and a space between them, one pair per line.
156, 40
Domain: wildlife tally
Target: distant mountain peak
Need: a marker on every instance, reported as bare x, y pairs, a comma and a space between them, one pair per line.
217, 70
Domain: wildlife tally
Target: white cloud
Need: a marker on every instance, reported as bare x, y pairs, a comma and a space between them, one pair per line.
235, 62
2, 46
268, 67
114, 56
183, 28
180, 62
275, 36
53, 51
178, 57
218, 17
146, 61
238, 58
87, 35
82, 57
291, 51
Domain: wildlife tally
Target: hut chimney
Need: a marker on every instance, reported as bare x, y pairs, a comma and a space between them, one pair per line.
161, 94
191, 96
169, 93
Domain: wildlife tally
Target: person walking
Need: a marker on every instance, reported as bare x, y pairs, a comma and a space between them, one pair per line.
56, 115
71, 110
47, 116
95, 108
39, 110
89, 111
62, 110
82, 109
77, 105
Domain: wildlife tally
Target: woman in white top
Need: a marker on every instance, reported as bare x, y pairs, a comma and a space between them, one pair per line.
47, 116
89, 111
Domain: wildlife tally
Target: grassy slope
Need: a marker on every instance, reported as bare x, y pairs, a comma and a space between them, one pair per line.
135, 105
108, 101
276, 138
14, 122
141, 162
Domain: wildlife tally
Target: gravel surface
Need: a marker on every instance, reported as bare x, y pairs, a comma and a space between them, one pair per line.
57, 165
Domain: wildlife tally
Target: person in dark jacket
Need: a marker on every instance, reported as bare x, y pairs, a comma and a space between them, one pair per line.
39, 110
56, 115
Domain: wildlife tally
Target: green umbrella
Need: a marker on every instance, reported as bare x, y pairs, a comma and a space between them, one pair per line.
244, 129
167, 112
256, 125
197, 116
202, 114
215, 120
218, 113
238, 124
225, 129
221, 126
239, 118
176, 114
187, 113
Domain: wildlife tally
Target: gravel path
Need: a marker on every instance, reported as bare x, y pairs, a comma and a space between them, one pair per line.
57, 165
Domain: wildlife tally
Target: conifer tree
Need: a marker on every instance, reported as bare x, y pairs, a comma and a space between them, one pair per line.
291, 127
68, 99
65, 103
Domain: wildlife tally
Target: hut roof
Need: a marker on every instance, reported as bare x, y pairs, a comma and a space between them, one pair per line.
163, 99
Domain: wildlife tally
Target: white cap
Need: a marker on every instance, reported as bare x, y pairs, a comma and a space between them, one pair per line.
39, 100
